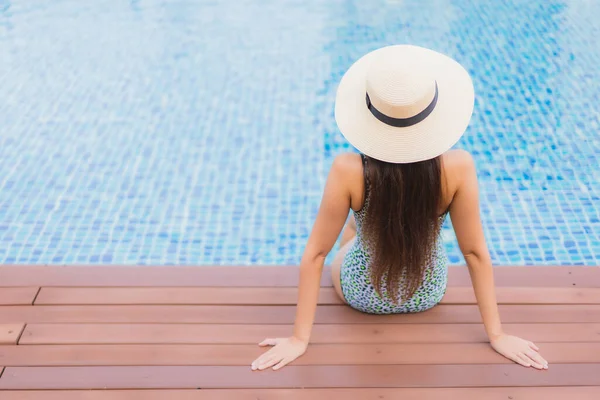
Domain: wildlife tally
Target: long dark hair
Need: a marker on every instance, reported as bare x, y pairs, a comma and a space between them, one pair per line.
402, 222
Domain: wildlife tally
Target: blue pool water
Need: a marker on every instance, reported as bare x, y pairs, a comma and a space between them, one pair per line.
200, 132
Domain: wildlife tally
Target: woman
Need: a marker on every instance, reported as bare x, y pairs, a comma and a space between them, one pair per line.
403, 107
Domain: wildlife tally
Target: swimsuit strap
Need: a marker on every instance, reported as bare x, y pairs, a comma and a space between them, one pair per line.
365, 175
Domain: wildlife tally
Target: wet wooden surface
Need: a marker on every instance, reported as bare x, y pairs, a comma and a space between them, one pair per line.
112, 333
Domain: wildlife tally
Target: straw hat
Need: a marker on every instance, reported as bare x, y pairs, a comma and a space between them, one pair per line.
403, 104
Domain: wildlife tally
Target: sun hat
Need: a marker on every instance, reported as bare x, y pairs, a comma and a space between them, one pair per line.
403, 104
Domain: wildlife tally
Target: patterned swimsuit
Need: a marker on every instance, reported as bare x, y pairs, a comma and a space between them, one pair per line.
356, 280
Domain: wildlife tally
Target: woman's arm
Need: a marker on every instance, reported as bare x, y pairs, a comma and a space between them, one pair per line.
464, 212
332, 214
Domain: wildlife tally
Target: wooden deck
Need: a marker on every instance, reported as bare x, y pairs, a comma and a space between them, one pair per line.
154, 333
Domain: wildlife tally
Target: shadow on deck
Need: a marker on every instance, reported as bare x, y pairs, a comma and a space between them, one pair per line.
164, 332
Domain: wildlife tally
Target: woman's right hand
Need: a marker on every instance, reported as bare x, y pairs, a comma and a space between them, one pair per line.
284, 351
519, 350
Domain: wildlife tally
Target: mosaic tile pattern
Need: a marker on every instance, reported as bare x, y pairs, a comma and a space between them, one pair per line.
180, 132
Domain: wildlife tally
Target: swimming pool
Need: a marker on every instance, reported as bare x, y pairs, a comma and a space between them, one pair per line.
200, 132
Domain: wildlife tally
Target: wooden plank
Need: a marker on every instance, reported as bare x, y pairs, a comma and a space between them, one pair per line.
527, 295
178, 295
17, 295
286, 296
363, 376
520, 393
252, 334
285, 314
318, 354
110, 275
259, 276
9, 333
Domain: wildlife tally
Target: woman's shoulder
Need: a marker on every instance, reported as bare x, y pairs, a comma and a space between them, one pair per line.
457, 162
348, 165
348, 159
458, 158
458, 170
348, 170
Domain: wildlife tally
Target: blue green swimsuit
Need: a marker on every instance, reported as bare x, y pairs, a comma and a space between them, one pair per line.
360, 293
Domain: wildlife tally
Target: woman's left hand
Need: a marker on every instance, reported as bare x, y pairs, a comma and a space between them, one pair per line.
284, 352
519, 350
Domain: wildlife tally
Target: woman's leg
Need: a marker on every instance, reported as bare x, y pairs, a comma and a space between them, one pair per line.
348, 238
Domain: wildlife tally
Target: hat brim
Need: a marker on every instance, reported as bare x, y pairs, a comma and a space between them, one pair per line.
423, 141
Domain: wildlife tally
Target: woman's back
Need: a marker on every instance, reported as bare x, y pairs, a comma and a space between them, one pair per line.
454, 165
357, 270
